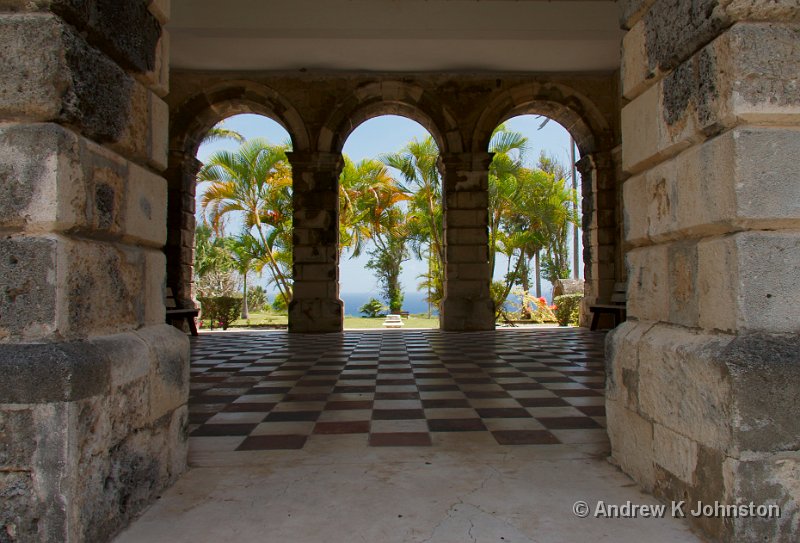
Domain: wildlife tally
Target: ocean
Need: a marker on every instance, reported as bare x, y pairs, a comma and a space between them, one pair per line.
414, 302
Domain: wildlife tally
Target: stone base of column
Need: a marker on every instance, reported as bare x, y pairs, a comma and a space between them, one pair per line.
585, 315
467, 314
91, 432
316, 316
702, 417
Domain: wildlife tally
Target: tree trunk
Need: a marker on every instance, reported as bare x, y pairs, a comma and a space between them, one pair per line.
538, 274
525, 272
245, 312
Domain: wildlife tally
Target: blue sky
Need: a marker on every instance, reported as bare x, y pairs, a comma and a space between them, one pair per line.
388, 134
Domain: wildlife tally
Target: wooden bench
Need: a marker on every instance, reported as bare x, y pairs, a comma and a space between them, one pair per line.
393, 321
616, 307
404, 314
175, 313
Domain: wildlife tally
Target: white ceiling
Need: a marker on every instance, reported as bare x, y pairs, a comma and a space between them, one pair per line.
395, 35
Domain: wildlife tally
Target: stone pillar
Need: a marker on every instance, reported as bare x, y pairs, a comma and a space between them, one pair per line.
467, 303
600, 226
703, 379
182, 180
94, 385
315, 305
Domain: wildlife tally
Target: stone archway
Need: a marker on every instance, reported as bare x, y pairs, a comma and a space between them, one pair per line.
596, 140
391, 98
316, 305
190, 121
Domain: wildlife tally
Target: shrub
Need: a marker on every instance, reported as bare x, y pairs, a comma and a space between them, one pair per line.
257, 298
496, 290
280, 304
372, 308
222, 310
567, 308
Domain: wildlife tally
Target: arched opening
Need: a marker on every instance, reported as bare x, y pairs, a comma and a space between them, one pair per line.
600, 215
390, 216
190, 123
244, 223
534, 220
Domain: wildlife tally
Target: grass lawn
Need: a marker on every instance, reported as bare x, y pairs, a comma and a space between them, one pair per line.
270, 320
377, 322
259, 319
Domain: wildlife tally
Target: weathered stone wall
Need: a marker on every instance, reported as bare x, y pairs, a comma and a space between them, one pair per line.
315, 305
702, 380
467, 303
460, 110
94, 384
601, 192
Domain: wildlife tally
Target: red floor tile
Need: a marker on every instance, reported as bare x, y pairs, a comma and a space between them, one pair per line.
525, 437
397, 414
503, 413
348, 404
208, 430
409, 439
263, 443
456, 425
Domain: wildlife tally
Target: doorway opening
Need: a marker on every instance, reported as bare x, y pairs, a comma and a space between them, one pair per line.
243, 233
391, 242
534, 222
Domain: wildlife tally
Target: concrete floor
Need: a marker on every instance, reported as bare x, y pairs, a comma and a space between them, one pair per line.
464, 486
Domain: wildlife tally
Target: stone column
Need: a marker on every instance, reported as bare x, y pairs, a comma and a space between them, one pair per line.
599, 212
703, 379
315, 305
93, 384
182, 180
467, 303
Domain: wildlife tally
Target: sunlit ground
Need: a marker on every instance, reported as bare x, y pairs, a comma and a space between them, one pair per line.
266, 319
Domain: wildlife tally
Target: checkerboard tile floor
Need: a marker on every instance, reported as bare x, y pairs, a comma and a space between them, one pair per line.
272, 390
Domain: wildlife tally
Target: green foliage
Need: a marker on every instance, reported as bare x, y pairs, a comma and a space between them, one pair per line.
432, 282
220, 310
396, 301
418, 163
280, 303
568, 308
555, 268
373, 308
386, 261
214, 266
530, 212
254, 183
257, 299
498, 293
371, 210
532, 308
218, 133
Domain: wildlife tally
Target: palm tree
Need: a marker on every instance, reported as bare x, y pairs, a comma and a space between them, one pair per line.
360, 186
508, 148
529, 211
217, 133
244, 249
418, 164
371, 212
255, 181
213, 265
389, 232
559, 214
